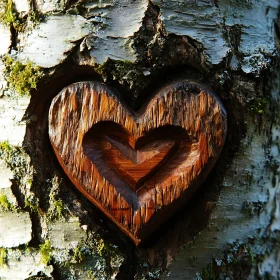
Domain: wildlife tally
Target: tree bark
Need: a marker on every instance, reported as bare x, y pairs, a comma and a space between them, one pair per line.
229, 229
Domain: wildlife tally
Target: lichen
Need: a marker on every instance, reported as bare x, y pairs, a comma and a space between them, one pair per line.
57, 208
108, 257
22, 77
250, 208
98, 258
19, 162
16, 159
236, 264
67, 259
46, 252
153, 274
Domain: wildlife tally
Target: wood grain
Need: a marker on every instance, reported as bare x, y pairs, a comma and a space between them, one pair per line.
137, 167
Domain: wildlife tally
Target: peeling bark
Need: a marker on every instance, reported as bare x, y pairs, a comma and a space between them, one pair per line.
230, 228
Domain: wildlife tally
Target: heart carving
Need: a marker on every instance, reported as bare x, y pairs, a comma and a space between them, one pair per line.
137, 167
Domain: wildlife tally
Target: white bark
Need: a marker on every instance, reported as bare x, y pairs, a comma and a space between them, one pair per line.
5, 39
233, 39
15, 230
47, 45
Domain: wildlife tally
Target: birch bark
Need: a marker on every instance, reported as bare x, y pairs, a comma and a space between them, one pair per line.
230, 229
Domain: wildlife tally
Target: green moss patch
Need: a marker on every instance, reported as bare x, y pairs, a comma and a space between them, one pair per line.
5, 147
46, 252
9, 16
4, 203
3, 257
57, 207
22, 77
31, 202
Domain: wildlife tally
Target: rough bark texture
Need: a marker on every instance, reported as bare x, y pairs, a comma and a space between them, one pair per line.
230, 228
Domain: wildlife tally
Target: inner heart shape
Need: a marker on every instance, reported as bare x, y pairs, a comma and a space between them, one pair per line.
138, 162
137, 167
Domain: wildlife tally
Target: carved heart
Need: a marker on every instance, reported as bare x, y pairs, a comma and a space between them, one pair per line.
137, 167
136, 162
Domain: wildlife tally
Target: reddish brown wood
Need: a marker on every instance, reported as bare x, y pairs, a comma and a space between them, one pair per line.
137, 167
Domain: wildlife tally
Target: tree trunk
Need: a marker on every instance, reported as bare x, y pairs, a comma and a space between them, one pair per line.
228, 229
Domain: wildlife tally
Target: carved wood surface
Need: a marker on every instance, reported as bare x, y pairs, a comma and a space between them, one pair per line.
137, 167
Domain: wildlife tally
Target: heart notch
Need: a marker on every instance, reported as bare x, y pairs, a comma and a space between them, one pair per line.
137, 167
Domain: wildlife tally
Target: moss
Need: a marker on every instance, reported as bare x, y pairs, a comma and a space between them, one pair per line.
3, 257
46, 252
129, 75
91, 275
104, 249
101, 247
79, 255
59, 207
32, 203
5, 146
208, 273
100, 69
35, 17
237, 263
9, 16
259, 105
4, 203
56, 209
99, 257
22, 77
77, 9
